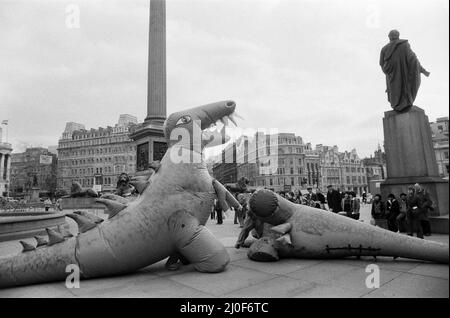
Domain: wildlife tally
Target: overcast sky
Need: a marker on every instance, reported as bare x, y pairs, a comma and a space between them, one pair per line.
303, 66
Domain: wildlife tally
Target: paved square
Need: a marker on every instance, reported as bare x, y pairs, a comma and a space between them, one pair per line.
245, 278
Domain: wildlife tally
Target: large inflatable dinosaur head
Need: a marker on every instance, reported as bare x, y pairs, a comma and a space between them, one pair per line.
194, 128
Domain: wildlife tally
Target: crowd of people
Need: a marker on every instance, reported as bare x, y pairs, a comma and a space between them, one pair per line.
406, 214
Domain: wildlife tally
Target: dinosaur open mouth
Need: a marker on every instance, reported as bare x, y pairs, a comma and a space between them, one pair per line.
215, 134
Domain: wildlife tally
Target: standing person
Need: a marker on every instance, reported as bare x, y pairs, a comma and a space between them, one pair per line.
425, 205
213, 211
47, 204
356, 205
378, 212
219, 212
310, 196
392, 212
401, 218
364, 197
320, 198
241, 213
414, 214
58, 204
347, 204
297, 197
333, 199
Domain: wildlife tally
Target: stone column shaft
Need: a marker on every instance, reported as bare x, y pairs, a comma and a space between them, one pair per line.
156, 90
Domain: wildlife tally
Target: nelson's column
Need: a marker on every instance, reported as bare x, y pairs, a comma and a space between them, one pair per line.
149, 136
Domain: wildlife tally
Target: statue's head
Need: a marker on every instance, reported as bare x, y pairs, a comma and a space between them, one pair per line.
394, 35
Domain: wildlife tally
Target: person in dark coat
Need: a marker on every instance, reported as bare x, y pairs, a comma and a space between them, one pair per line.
347, 204
414, 214
379, 212
334, 200
320, 198
356, 205
392, 212
426, 205
401, 218
311, 197
219, 212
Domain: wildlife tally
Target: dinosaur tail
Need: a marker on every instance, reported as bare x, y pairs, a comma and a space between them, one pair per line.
113, 247
42, 264
400, 245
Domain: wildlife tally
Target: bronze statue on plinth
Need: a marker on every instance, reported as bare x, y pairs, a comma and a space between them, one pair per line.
402, 69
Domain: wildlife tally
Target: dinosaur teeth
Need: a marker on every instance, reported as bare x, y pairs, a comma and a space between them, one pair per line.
54, 237
236, 115
232, 119
27, 246
224, 120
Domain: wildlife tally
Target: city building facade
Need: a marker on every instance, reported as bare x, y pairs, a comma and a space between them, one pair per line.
313, 167
277, 162
96, 157
375, 170
440, 137
330, 166
34, 168
5, 166
354, 177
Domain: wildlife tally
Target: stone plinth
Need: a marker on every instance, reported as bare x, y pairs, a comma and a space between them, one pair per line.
150, 145
410, 157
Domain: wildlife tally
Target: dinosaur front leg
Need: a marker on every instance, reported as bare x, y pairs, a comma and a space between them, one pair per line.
197, 244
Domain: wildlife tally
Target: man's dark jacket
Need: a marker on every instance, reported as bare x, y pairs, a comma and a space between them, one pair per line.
334, 201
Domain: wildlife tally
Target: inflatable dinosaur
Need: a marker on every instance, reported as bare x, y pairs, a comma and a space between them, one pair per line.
165, 220
301, 231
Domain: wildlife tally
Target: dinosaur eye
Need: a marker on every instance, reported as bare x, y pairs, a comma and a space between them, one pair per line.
184, 120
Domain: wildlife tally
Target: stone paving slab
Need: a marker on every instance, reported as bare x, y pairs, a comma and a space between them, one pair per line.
283, 266
278, 287
408, 285
233, 278
51, 290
